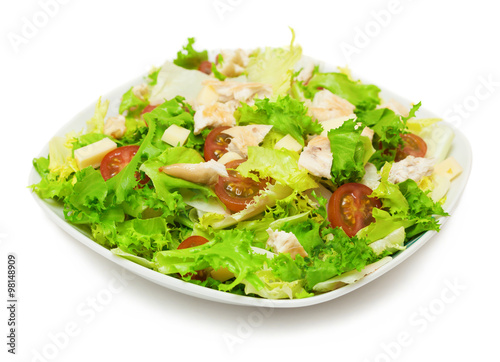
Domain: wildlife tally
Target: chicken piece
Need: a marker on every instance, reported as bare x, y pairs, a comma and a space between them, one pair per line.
214, 115
327, 105
396, 107
217, 101
242, 92
140, 91
203, 173
245, 136
283, 242
411, 167
115, 127
368, 132
317, 157
306, 67
233, 63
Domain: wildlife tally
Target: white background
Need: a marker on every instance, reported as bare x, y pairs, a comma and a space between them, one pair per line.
434, 52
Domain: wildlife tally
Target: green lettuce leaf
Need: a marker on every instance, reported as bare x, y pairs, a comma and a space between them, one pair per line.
281, 165
274, 66
286, 115
96, 123
349, 150
364, 97
230, 249
131, 103
189, 58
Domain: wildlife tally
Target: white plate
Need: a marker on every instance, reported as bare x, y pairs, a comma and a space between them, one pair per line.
460, 150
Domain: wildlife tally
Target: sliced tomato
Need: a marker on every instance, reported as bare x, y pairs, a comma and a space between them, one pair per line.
413, 145
148, 108
350, 207
116, 160
190, 242
216, 143
235, 191
205, 67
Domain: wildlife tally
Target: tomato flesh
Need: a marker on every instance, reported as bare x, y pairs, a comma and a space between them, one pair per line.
117, 160
216, 144
235, 191
190, 242
350, 207
148, 108
205, 67
413, 145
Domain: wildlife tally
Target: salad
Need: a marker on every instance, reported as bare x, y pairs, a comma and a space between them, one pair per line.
254, 173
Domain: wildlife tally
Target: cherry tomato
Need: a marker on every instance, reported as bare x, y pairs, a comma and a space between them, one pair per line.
350, 207
413, 145
190, 242
205, 67
235, 191
116, 160
148, 108
216, 144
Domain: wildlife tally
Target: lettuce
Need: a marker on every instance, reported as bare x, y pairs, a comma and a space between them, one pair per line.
274, 66
364, 97
131, 103
189, 58
229, 249
286, 115
350, 152
96, 123
388, 128
280, 165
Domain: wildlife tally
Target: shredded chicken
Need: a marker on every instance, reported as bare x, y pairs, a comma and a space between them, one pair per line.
214, 115
204, 173
327, 105
283, 242
228, 90
245, 136
233, 63
317, 157
414, 168
115, 127
218, 100
306, 67
140, 91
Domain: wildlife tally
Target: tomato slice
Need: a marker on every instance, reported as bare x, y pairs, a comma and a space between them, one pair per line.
216, 144
350, 207
413, 145
116, 160
205, 67
148, 108
190, 242
235, 191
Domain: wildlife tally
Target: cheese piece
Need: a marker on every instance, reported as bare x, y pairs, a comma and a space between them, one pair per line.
92, 155
221, 274
289, 143
228, 157
448, 168
175, 135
